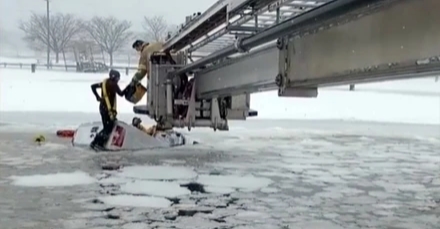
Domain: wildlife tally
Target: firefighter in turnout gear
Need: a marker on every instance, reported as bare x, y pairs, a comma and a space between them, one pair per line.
145, 50
107, 107
135, 90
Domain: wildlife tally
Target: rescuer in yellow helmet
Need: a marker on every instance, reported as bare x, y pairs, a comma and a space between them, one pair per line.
107, 106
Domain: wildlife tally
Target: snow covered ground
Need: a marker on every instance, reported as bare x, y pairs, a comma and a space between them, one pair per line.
300, 169
412, 101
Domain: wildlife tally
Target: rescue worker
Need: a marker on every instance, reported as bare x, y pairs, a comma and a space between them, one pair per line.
136, 122
107, 106
135, 90
152, 130
145, 50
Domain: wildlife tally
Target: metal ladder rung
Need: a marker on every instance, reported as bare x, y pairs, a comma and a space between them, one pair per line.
182, 102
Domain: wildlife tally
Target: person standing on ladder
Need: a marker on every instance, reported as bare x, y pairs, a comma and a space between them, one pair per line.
107, 107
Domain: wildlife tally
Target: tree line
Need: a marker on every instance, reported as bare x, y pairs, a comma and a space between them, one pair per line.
109, 33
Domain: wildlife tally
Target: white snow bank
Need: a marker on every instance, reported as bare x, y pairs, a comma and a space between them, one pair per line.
54, 180
60, 91
416, 86
345, 105
54, 91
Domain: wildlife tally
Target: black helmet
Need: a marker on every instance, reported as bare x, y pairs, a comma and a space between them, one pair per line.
114, 74
136, 121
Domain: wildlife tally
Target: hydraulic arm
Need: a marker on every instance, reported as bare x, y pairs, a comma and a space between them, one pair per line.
291, 46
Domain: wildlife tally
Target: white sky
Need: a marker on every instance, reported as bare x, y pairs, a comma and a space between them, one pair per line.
11, 11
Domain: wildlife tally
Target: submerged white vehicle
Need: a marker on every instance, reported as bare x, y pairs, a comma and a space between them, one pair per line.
128, 137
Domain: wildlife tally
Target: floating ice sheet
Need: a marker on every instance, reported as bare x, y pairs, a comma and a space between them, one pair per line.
244, 183
136, 201
220, 190
158, 173
56, 179
155, 188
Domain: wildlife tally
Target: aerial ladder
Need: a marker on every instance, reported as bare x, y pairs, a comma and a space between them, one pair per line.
239, 47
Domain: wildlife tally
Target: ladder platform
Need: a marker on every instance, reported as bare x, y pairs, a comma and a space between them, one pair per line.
142, 110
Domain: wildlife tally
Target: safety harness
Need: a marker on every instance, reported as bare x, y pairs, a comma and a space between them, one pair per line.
111, 109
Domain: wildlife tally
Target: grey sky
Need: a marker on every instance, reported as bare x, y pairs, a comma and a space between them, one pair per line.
11, 11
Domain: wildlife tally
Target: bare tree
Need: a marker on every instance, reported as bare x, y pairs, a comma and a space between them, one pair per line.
156, 28
109, 33
62, 28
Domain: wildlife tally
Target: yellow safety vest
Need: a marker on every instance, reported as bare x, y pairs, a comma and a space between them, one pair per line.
111, 109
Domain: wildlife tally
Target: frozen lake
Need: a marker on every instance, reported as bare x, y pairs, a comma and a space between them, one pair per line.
343, 160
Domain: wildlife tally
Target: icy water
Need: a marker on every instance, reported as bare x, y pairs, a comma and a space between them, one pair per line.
261, 174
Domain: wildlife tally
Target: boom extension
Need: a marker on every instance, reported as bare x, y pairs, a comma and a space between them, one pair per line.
334, 43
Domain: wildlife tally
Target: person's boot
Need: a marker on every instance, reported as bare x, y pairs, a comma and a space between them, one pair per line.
93, 146
97, 147
96, 144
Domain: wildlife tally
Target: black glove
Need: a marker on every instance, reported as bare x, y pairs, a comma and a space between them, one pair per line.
112, 115
134, 82
125, 90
